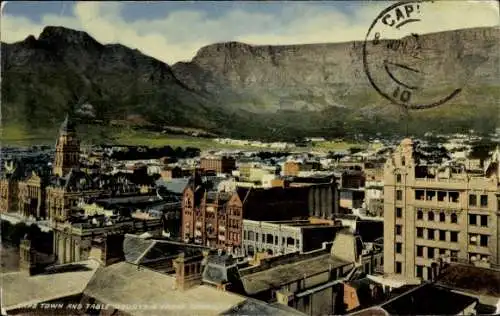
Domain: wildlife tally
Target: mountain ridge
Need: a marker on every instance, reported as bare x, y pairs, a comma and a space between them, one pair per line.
236, 89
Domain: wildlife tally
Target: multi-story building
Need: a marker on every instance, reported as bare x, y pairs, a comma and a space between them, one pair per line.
282, 237
67, 149
31, 196
218, 217
293, 168
222, 164
8, 193
432, 212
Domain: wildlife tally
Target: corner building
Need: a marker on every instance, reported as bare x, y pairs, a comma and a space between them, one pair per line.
434, 212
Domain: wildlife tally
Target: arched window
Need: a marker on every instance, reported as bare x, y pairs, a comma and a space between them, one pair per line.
403, 160
420, 215
430, 215
454, 218
442, 217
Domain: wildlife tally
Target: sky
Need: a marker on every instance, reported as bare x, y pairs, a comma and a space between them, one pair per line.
174, 31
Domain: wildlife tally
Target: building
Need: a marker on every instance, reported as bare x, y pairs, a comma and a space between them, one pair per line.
351, 198
149, 277
218, 217
433, 211
8, 193
308, 282
66, 192
323, 199
74, 241
67, 149
293, 168
283, 237
353, 179
222, 164
31, 196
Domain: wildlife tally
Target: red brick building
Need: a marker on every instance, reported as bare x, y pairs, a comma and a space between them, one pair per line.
222, 164
216, 219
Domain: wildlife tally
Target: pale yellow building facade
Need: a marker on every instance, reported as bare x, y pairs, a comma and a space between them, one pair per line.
433, 212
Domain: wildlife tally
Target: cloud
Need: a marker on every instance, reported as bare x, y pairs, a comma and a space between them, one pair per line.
179, 34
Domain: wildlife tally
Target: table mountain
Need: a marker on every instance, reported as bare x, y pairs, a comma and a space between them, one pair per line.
242, 90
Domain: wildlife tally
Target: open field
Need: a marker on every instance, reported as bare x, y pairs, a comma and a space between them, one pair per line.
13, 135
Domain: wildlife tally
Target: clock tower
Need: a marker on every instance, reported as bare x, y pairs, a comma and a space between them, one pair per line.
67, 149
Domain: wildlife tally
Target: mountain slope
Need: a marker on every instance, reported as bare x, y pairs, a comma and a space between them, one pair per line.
240, 90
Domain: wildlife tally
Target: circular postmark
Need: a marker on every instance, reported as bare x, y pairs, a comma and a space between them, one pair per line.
401, 65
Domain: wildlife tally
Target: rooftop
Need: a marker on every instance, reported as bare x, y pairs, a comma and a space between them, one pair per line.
471, 279
428, 299
112, 285
284, 274
19, 289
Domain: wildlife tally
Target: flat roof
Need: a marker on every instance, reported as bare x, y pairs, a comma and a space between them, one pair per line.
471, 279
284, 274
298, 223
19, 289
428, 299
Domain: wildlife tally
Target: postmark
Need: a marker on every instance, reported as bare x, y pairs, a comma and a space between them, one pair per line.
399, 63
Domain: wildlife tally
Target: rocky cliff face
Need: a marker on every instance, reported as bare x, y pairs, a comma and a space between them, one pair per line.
243, 90
322, 75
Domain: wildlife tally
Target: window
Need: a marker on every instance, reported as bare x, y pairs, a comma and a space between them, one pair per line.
484, 220
430, 253
442, 235
454, 254
399, 195
420, 251
454, 218
430, 234
484, 200
420, 214
399, 247
420, 232
483, 240
403, 160
442, 251
399, 267
257, 237
454, 236
472, 200
430, 216
245, 235
420, 271
398, 229
472, 219
442, 217
399, 212
398, 178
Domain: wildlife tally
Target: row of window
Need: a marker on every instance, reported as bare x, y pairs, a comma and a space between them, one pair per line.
430, 215
441, 234
269, 238
432, 252
478, 240
442, 216
483, 200
441, 195
483, 220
